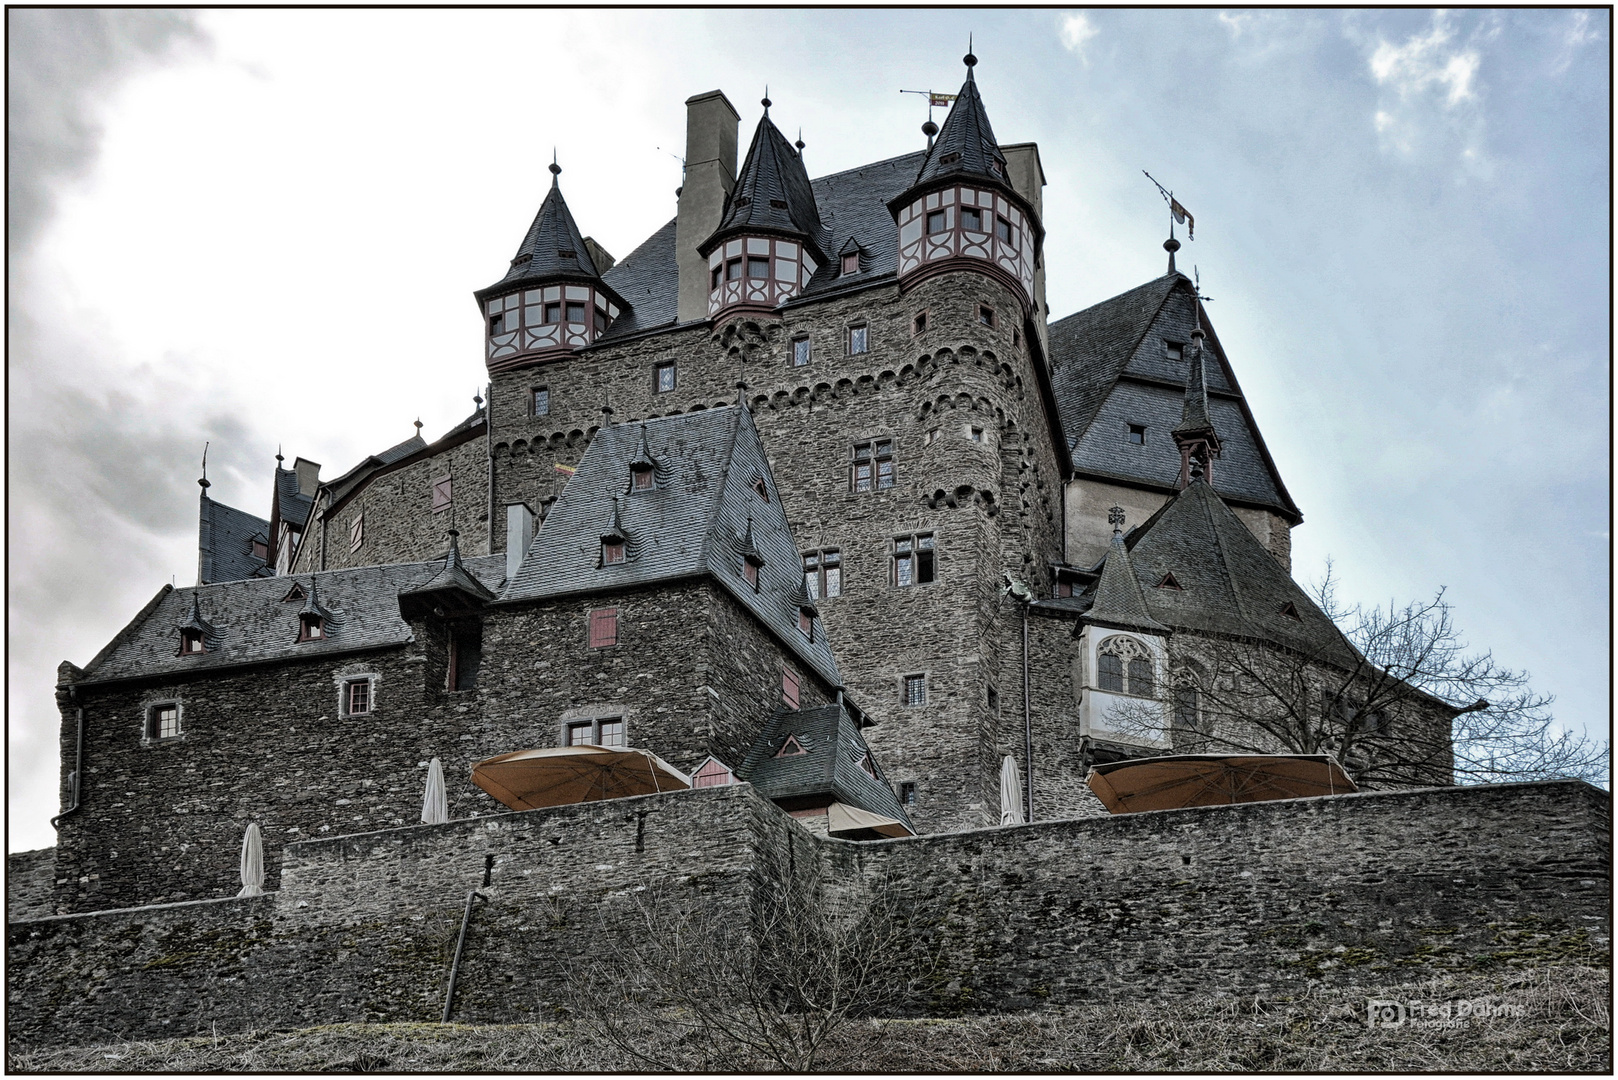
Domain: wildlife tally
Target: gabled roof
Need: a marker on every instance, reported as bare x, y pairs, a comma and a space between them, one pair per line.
252, 624
965, 145
1111, 369
1229, 584
772, 193
453, 587
342, 485
689, 525
830, 768
1118, 600
553, 248
225, 537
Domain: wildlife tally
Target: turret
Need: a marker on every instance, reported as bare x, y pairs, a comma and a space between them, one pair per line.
963, 211
770, 240
1195, 436
553, 299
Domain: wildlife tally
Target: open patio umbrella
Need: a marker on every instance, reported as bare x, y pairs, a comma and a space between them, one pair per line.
1010, 792
252, 862
842, 818
435, 801
1166, 783
530, 779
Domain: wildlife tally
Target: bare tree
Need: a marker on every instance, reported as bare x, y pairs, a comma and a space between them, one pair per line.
1399, 699
771, 982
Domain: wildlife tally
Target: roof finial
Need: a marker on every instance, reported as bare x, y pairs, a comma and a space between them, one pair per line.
800, 143
477, 396
1171, 245
929, 129
766, 99
556, 170
278, 457
1115, 518
204, 480
418, 427
606, 410
969, 60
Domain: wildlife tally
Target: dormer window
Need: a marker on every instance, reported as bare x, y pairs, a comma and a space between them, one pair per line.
1290, 610
950, 158
261, 550
761, 488
311, 628
994, 167
778, 204
1168, 582
612, 552
851, 263
566, 253
806, 623
750, 573
642, 479
1174, 351
791, 748
294, 593
1137, 434
191, 643
865, 764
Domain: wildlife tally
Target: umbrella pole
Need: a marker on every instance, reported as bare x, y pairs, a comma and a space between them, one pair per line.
460, 943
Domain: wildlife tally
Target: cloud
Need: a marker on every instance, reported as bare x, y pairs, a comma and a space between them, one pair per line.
1077, 30
1423, 62
1235, 23
1431, 93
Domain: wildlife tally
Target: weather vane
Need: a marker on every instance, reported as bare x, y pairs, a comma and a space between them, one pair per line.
1176, 211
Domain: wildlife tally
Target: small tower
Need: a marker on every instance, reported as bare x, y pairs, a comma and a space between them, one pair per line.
553, 299
1195, 436
962, 211
770, 240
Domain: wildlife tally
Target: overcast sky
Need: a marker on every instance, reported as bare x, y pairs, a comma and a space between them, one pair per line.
263, 228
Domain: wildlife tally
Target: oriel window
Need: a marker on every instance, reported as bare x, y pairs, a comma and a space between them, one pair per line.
575, 311
971, 219
757, 268
937, 222
1002, 229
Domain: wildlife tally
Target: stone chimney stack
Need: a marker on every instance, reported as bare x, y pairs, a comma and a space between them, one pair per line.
1027, 177
308, 475
710, 172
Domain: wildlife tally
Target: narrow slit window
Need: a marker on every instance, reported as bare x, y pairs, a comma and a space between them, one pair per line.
907, 793
920, 323
859, 340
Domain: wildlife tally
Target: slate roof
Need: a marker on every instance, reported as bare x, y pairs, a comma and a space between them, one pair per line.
251, 622
1118, 600
966, 132
830, 768
1229, 584
690, 524
225, 538
772, 192
352, 479
1111, 369
553, 247
852, 206
1194, 416
453, 584
292, 504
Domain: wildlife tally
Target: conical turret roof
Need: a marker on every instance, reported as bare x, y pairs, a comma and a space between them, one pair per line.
966, 143
553, 247
1194, 417
1119, 601
772, 193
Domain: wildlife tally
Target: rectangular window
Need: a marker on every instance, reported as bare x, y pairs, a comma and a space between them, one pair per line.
789, 689
603, 627
575, 311
758, 268
541, 401
915, 690
851, 263
497, 323
465, 656
612, 735
1137, 434
1174, 350
920, 324
1187, 713
992, 696
986, 315
191, 642
443, 493
800, 352
611, 554
580, 734
806, 623
642, 479
356, 532
859, 340
971, 219
359, 697
311, 628
261, 550
1002, 229
733, 270
872, 468
665, 378
935, 222
553, 312
1112, 673
715, 276
976, 434
913, 560
907, 793
601, 321
823, 573
163, 721
750, 574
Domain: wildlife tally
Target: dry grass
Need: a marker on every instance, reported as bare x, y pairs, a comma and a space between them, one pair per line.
1565, 1026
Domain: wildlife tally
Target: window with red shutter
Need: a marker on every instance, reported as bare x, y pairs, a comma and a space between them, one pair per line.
443, 493
789, 689
603, 628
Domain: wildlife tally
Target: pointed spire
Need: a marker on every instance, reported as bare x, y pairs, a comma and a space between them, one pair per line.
1195, 436
1171, 245
615, 526
194, 620
553, 247
556, 170
746, 547
965, 144
643, 454
766, 101
772, 191
800, 144
1119, 600
452, 561
204, 481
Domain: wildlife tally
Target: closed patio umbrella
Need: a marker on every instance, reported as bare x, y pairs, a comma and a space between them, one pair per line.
1010, 792
435, 802
252, 862
530, 779
1166, 783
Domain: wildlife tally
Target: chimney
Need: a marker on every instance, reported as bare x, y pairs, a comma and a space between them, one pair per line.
308, 475
519, 534
710, 172
599, 255
1028, 180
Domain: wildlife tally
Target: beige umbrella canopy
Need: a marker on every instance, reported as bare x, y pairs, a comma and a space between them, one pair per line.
530, 779
842, 818
1166, 783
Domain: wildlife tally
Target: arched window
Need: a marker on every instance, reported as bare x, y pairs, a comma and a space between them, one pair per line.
1125, 667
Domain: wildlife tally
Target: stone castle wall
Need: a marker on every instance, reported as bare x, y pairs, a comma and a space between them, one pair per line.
1360, 890
30, 881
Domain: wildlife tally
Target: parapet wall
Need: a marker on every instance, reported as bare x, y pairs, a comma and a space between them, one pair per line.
1366, 889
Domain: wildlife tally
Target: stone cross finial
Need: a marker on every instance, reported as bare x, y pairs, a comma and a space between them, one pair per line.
1115, 518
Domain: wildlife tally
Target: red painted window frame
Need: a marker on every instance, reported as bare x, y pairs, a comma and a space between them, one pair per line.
603, 628
791, 689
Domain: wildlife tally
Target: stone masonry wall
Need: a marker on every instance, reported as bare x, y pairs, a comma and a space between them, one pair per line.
1360, 890
400, 524
926, 391
30, 879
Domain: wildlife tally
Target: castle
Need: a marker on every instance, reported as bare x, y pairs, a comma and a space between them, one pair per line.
809, 496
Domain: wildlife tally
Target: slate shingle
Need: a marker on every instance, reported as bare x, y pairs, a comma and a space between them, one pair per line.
830, 768
225, 537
